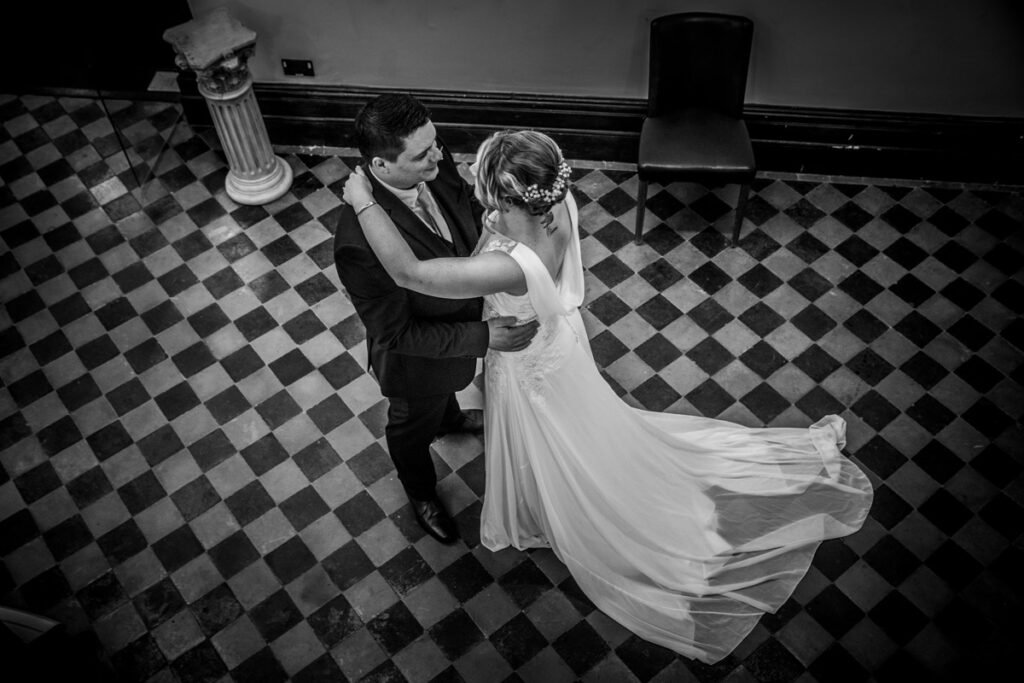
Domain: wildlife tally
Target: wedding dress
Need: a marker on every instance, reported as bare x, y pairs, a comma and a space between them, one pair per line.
683, 529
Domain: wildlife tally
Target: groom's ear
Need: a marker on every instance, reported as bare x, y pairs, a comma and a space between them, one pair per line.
378, 164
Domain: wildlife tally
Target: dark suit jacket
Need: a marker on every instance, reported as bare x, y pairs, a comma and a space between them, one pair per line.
419, 345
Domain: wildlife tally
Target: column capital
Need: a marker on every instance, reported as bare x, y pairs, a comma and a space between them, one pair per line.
217, 47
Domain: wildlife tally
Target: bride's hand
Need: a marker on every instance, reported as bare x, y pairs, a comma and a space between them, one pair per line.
358, 190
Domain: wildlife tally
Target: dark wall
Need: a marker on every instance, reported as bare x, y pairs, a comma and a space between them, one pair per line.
109, 45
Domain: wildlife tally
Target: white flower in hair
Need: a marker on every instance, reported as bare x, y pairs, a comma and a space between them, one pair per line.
535, 194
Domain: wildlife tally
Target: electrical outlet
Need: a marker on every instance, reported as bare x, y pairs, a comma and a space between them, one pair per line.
297, 67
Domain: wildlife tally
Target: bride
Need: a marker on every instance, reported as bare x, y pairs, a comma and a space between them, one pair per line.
683, 529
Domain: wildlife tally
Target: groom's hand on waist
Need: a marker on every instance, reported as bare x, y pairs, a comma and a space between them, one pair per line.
506, 334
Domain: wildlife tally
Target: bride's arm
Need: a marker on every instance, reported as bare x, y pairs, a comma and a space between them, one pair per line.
448, 278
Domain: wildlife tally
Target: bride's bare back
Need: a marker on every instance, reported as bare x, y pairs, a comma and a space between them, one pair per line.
549, 243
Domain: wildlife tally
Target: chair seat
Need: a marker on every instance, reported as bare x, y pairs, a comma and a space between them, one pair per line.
695, 143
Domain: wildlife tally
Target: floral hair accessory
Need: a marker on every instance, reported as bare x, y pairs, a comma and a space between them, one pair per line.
535, 194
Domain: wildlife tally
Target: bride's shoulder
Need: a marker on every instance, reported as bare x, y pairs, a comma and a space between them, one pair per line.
496, 242
491, 239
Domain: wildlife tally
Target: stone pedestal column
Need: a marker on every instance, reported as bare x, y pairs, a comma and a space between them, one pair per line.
217, 48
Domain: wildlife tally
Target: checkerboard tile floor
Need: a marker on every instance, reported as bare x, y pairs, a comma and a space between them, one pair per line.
193, 473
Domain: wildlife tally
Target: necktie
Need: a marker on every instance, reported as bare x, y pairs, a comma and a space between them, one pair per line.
431, 214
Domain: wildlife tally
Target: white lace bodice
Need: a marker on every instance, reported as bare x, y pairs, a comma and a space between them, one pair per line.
502, 303
554, 303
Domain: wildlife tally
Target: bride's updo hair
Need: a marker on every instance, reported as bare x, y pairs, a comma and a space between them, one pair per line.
525, 167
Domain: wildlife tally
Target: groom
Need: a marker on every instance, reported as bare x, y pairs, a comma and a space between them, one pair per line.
422, 349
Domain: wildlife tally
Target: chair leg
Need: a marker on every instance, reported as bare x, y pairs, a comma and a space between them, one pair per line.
741, 207
641, 204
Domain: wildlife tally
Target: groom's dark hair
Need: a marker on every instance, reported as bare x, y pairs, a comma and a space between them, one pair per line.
383, 124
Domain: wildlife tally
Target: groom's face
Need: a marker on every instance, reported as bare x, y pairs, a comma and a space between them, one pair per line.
418, 160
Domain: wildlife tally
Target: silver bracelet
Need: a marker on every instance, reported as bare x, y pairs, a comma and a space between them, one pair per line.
364, 207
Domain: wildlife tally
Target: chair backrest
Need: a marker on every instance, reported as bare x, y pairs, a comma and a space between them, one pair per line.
699, 59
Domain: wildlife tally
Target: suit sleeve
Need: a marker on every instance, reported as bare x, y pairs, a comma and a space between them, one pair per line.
384, 308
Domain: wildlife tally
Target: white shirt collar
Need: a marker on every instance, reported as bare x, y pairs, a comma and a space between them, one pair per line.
408, 197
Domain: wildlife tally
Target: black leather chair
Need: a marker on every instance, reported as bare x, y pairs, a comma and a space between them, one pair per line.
694, 130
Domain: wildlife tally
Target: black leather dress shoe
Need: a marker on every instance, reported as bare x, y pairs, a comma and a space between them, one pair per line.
469, 422
432, 516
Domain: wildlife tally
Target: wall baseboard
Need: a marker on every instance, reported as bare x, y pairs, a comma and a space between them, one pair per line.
786, 139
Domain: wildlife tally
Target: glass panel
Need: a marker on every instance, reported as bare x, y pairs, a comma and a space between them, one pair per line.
143, 130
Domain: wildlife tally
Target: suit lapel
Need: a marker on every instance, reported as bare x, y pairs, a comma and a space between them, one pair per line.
449, 206
408, 223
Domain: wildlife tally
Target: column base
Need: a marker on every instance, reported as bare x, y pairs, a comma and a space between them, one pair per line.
262, 190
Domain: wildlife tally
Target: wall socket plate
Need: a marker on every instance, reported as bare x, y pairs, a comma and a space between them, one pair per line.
297, 67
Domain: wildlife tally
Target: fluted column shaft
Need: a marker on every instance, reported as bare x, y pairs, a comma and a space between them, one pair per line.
217, 48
